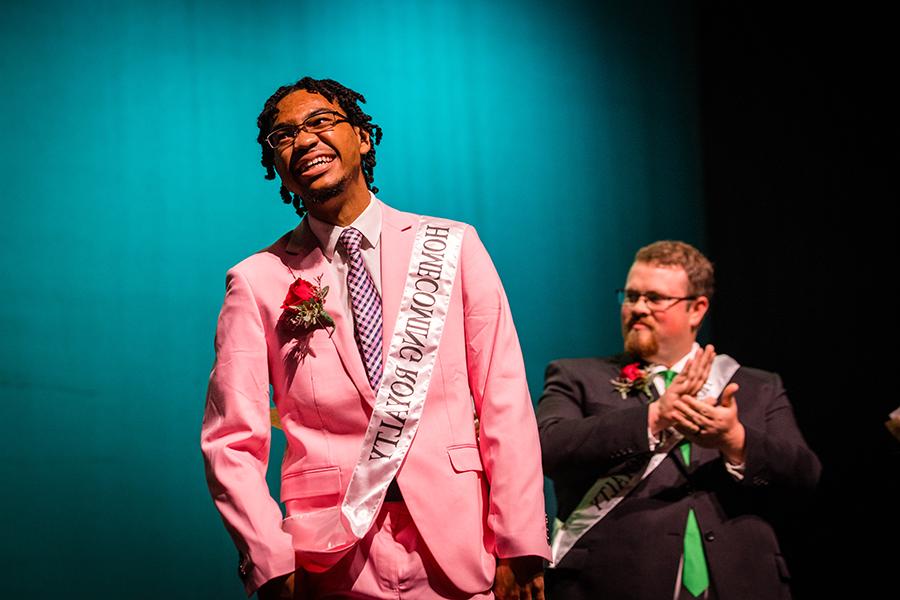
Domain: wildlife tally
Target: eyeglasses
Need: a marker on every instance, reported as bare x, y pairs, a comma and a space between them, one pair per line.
655, 302
317, 123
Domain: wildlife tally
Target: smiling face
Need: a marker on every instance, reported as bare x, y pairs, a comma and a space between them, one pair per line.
661, 336
325, 168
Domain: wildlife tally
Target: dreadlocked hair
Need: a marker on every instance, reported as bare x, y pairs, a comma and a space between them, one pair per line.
347, 99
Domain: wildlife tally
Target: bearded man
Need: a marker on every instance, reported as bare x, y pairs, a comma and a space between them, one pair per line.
665, 488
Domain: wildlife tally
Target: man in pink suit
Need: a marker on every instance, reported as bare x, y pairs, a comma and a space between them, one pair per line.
463, 514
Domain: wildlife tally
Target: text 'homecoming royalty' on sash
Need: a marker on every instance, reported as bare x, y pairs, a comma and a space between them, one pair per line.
607, 492
399, 399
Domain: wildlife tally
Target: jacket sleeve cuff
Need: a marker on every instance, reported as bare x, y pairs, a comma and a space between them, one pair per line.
255, 575
523, 543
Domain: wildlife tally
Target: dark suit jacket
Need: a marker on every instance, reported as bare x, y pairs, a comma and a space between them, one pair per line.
588, 430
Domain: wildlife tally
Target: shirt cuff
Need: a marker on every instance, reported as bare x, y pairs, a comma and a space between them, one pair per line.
655, 441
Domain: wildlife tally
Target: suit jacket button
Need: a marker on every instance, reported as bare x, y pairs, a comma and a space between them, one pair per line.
710, 537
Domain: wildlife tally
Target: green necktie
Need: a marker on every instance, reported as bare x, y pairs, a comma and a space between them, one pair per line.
695, 576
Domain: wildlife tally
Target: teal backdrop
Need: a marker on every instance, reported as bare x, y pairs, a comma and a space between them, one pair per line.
567, 133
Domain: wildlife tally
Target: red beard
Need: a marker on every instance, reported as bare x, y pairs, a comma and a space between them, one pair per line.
641, 343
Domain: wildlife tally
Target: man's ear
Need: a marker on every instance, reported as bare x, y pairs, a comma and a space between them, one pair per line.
697, 311
365, 142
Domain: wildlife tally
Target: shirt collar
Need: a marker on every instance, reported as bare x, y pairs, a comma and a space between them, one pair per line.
678, 366
368, 223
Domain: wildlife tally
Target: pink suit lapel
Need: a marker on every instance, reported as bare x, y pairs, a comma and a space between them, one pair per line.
398, 232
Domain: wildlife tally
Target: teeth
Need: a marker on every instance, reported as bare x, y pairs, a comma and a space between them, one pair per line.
321, 160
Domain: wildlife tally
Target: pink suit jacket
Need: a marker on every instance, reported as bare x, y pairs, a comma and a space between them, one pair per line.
471, 502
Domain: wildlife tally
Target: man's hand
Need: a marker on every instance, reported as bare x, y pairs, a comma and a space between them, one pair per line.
519, 578
278, 588
662, 413
713, 426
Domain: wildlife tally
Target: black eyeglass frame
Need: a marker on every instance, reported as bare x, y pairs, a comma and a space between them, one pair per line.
652, 299
304, 126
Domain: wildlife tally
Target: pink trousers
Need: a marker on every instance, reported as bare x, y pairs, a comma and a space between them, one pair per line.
390, 562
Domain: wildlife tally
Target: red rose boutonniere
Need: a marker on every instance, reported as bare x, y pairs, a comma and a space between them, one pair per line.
632, 377
304, 305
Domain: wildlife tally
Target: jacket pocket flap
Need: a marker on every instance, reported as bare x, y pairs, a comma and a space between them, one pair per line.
465, 458
321, 481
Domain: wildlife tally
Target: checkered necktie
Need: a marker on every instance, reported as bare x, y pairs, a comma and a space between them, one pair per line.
366, 306
694, 575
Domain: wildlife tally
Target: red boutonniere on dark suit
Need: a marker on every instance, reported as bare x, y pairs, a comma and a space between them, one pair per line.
632, 377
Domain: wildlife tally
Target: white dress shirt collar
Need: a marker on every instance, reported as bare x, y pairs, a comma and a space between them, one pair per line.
368, 223
678, 366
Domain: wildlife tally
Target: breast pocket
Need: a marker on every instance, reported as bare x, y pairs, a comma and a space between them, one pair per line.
465, 458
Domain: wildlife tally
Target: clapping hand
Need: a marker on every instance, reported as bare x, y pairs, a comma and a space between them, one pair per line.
711, 425
663, 413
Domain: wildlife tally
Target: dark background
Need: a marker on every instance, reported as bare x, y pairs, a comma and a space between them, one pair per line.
800, 166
